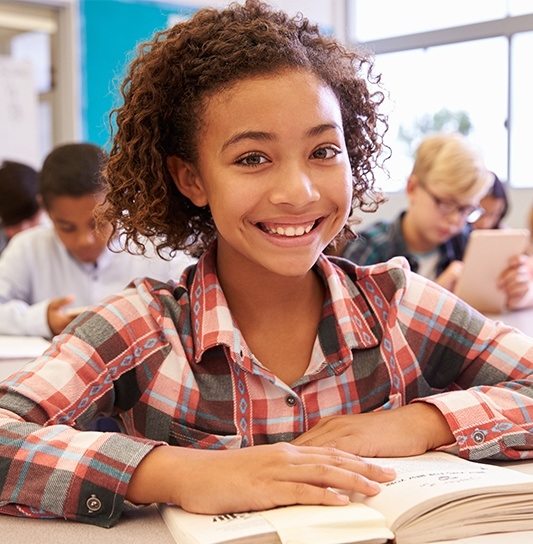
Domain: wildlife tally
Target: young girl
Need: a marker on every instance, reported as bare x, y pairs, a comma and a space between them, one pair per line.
258, 378
495, 205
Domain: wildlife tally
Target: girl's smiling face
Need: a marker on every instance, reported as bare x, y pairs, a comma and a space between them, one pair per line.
274, 170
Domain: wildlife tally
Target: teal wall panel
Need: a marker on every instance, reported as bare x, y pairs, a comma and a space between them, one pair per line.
110, 32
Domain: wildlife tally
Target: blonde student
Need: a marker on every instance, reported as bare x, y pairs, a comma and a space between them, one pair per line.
445, 190
260, 376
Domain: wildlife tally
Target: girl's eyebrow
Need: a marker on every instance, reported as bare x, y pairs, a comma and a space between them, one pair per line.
248, 135
320, 129
267, 136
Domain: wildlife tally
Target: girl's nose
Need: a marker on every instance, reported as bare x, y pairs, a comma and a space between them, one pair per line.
295, 187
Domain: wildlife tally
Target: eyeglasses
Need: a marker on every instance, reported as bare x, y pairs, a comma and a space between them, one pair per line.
467, 211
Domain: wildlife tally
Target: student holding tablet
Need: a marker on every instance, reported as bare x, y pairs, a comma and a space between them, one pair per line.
445, 188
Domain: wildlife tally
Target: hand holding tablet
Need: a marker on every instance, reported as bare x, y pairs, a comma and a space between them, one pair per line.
486, 257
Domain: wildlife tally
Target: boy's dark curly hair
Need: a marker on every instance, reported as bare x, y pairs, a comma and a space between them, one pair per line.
165, 92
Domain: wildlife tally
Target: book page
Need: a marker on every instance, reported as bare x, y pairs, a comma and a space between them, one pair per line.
352, 523
425, 482
205, 529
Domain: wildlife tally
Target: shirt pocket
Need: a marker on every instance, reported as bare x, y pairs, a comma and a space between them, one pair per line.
189, 437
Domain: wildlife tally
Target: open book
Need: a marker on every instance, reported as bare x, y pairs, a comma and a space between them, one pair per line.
435, 496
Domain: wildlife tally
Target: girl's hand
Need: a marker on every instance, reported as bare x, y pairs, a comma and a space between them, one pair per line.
400, 432
254, 478
517, 283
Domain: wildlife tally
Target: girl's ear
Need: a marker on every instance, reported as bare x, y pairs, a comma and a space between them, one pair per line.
187, 180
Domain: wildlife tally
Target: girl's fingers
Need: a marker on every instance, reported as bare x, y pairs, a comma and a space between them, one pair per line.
363, 479
327, 467
309, 494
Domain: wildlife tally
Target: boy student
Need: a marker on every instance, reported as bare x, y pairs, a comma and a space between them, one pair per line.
46, 269
19, 201
259, 376
446, 185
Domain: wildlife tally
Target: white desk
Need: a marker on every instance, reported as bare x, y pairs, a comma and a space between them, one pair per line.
137, 527
9, 366
16, 351
521, 319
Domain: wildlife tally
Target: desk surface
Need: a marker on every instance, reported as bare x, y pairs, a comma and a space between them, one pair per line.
521, 319
16, 351
146, 525
138, 527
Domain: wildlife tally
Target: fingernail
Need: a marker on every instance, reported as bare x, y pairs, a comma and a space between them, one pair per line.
341, 497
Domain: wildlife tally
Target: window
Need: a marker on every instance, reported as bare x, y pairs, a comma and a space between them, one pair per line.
521, 172
376, 19
437, 89
463, 67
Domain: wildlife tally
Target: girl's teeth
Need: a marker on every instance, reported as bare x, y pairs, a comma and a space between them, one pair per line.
291, 231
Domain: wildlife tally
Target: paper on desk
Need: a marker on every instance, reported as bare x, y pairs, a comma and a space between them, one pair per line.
22, 347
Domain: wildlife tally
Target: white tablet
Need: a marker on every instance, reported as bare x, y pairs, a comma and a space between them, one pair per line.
485, 258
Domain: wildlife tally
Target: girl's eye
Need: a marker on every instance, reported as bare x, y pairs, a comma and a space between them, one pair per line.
325, 152
252, 159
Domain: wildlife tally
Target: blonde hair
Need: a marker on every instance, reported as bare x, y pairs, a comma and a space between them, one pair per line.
451, 162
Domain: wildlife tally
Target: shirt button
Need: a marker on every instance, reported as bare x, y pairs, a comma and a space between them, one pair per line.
290, 400
93, 504
478, 437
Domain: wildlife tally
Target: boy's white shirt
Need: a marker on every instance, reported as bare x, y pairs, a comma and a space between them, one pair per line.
35, 267
427, 263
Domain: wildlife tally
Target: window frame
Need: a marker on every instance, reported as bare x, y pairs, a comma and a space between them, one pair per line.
507, 27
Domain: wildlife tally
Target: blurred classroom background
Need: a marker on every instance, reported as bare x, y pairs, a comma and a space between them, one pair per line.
459, 65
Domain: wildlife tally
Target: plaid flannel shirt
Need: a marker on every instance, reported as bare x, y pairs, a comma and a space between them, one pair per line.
170, 361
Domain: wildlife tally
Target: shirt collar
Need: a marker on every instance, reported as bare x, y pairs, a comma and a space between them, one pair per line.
347, 321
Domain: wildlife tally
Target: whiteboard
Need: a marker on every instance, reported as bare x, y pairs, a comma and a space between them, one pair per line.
19, 121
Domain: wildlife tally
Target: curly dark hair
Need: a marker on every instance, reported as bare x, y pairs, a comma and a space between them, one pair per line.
164, 95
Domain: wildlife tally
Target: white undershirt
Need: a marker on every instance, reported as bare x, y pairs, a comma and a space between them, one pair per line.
427, 263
